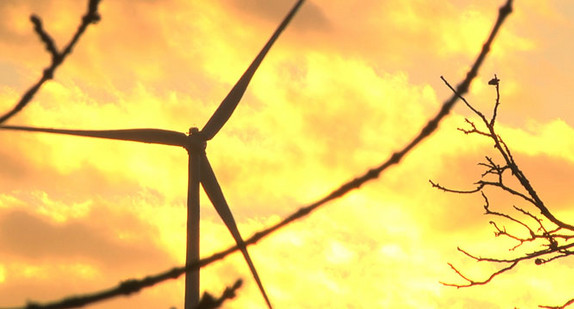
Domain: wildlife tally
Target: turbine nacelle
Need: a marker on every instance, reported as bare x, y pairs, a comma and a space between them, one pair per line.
196, 141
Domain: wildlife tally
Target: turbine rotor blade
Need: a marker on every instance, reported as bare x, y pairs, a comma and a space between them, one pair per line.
228, 105
152, 136
213, 191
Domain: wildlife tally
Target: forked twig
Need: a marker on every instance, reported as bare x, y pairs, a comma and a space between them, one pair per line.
557, 238
473, 282
91, 17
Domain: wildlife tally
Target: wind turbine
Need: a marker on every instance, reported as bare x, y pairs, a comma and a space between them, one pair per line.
200, 170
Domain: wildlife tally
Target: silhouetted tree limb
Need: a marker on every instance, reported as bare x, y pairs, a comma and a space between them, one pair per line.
473, 282
209, 302
568, 303
504, 151
552, 237
91, 17
135, 285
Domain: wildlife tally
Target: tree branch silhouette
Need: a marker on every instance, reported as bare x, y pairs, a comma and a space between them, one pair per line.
209, 302
135, 285
91, 17
553, 237
566, 304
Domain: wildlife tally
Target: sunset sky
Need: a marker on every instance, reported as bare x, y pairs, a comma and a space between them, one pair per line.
346, 85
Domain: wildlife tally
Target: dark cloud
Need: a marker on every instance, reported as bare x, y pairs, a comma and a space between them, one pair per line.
551, 177
74, 187
310, 16
33, 238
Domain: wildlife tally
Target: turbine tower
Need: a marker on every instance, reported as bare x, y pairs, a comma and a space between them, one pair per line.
200, 171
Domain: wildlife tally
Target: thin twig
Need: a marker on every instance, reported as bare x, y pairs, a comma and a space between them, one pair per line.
497, 103
568, 303
472, 282
91, 17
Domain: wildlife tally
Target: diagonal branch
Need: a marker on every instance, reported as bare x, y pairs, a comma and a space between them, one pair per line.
472, 282
568, 303
45, 37
91, 17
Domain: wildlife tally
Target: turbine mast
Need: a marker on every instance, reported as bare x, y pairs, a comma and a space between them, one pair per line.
196, 149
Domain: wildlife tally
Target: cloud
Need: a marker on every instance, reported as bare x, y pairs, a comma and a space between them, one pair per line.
310, 18
34, 238
81, 254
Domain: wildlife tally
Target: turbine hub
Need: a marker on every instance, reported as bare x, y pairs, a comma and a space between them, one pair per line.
197, 142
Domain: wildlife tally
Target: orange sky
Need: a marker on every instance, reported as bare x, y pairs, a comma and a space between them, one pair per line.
346, 85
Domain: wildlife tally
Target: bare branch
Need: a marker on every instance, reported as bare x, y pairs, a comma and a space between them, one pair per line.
504, 151
438, 186
208, 302
530, 231
45, 37
568, 303
496, 82
472, 282
91, 17
474, 129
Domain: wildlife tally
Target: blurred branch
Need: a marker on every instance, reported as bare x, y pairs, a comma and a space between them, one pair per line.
568, 303
92, 16
208, 302
135, 285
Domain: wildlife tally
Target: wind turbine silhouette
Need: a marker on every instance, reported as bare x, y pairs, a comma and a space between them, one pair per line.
200, 170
